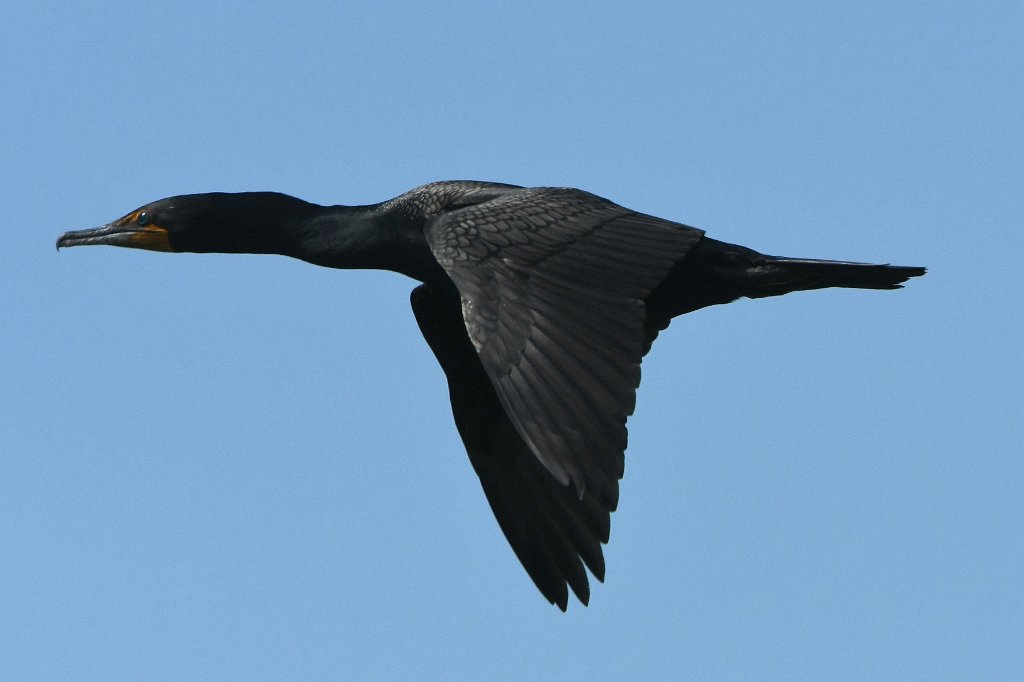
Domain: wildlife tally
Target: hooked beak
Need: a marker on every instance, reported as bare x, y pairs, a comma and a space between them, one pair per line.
151, 237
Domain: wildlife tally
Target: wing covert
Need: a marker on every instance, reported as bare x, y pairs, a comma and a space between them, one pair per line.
552, 284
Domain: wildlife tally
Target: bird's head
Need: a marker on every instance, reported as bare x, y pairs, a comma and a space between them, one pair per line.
245, 222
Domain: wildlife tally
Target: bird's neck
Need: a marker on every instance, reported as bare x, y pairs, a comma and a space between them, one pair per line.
364, 237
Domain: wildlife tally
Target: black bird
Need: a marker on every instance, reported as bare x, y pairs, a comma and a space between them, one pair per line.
539, 304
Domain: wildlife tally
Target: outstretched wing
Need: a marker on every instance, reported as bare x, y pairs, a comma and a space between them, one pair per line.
552, 285
549, 528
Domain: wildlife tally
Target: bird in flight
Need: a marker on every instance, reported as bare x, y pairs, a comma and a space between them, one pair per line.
538, 302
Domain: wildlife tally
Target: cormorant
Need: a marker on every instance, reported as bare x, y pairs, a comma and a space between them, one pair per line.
539, 304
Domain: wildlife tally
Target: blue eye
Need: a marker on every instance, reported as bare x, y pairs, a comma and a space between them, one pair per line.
143, 218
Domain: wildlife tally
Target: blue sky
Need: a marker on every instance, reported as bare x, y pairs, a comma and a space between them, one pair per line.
241, 467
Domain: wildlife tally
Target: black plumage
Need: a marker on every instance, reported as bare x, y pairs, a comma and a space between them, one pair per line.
539, 304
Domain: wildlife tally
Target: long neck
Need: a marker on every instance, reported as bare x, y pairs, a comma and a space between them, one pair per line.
364, 237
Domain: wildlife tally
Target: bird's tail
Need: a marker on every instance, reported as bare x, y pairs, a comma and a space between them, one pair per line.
716, 272
773, 276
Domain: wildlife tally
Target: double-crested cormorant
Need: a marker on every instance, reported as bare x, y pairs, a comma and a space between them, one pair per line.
539, 303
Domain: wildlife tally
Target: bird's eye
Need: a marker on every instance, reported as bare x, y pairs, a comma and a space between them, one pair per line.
143, 218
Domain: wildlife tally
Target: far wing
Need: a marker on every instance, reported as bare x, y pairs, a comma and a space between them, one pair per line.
552, 285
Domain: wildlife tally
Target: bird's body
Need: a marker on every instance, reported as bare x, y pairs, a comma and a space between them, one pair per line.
539, 304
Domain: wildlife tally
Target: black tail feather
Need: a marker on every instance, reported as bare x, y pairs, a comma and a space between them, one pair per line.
716, 272
775, 276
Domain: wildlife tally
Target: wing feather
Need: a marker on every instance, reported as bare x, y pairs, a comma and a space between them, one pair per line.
548, 527
552, 284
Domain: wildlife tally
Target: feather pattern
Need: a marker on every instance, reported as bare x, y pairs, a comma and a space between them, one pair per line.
552, 285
